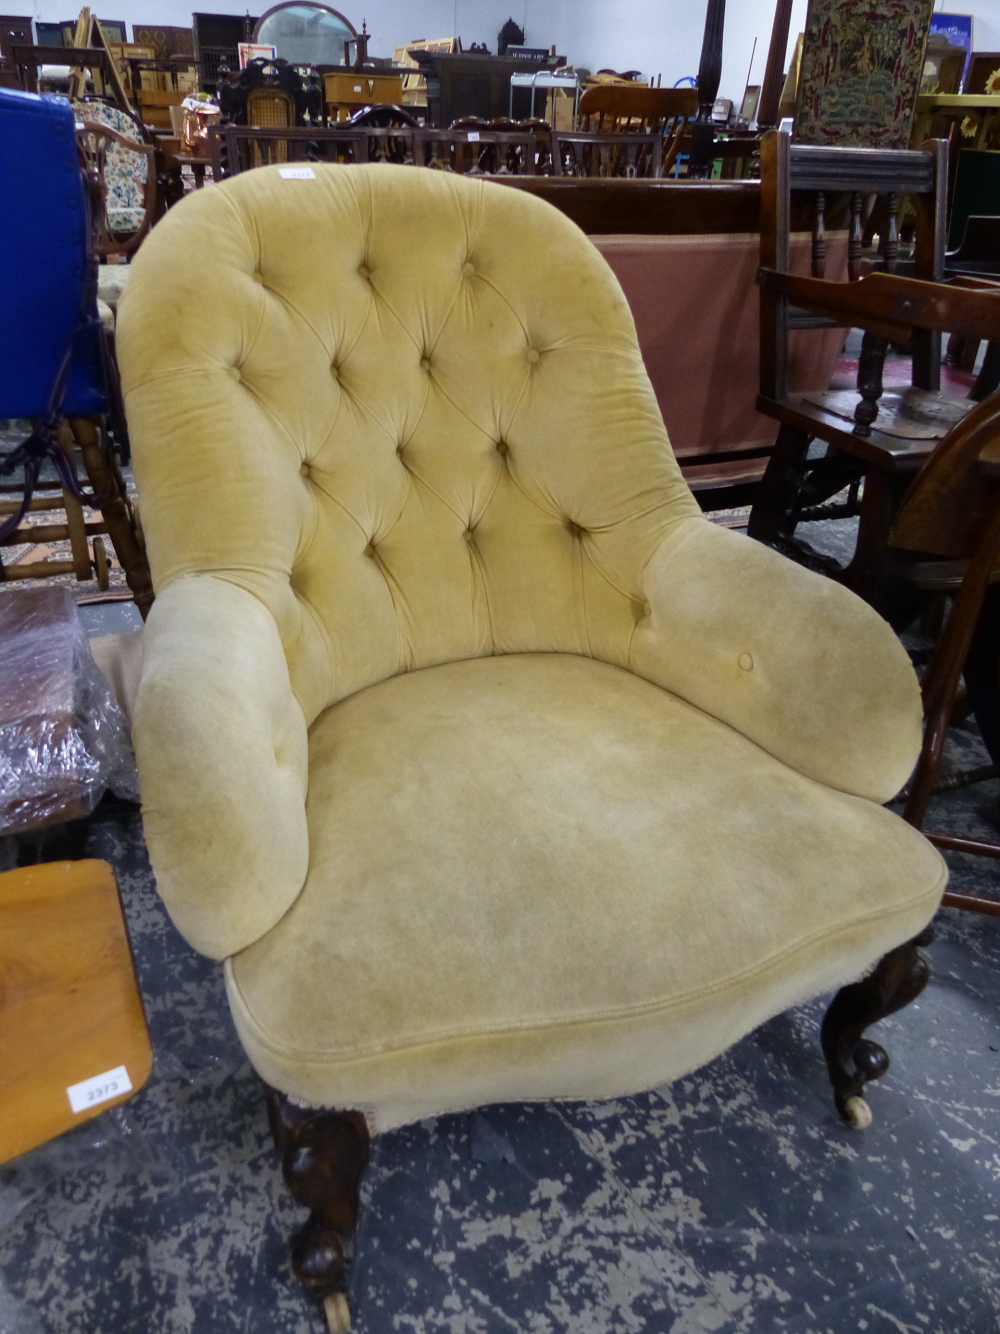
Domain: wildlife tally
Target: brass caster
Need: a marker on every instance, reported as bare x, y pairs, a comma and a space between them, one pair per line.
338, 1313
857, 1113
101, 564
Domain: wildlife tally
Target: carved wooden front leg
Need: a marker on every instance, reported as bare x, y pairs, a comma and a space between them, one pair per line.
852, 1060
323, 1157
870, 363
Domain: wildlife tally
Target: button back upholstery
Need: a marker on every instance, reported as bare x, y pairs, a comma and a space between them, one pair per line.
354, 397
391, 423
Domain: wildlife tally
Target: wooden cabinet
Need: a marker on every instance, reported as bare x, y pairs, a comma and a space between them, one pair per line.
347, 92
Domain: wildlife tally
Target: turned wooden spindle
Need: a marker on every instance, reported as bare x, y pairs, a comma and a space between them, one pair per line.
854, 240
890, 246
819, 237
873, 350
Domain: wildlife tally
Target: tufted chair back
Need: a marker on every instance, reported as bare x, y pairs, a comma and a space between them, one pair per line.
406, 410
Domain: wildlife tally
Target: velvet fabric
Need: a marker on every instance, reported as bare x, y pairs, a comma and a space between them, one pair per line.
491, 768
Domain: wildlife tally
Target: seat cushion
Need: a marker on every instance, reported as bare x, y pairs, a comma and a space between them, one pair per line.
541, 876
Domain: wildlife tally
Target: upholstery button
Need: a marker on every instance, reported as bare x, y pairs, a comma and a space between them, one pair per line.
647, 610
468, 534
364, 271
304, 469
502, 448
258, 277
370, 550
746, 662
425, 365
533, 354
335, 371
468, 270
234, 371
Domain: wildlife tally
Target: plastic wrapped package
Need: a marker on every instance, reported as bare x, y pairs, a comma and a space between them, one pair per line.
63, 738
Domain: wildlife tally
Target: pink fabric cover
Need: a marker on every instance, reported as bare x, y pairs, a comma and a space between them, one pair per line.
695, 305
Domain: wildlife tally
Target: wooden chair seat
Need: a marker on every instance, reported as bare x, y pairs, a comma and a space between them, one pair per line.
909, 424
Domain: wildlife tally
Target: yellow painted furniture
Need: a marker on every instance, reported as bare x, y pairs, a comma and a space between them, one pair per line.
490, 768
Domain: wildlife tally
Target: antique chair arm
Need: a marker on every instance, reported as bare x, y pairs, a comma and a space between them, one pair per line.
222, 751
94, 139
891, 306
794, 661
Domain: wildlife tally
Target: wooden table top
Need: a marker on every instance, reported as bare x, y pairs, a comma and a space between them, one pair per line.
73, 1039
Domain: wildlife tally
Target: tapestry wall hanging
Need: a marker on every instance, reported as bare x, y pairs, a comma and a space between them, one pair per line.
861, 66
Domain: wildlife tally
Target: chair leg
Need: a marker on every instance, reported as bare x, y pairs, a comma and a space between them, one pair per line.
853, 1060
324, 1154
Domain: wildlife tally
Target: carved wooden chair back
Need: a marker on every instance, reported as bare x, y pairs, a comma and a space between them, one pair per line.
841, 183
390, 143
236, 148
486, 152
270, 108
588, 154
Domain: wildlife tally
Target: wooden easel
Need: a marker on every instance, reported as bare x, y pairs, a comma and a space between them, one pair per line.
89, 32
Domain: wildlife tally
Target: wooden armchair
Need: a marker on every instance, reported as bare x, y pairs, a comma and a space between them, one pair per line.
631, 108
883, 438
117, 186
946, 539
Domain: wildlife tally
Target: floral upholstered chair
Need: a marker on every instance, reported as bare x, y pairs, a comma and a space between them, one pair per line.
488, 766
127, 175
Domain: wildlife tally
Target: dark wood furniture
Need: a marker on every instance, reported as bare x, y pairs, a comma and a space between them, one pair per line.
883, 438
774, 71
608, 155
28, 61
709, 75
15, 30
216, 39
71, 1014
236, 148
482, 152
946, 539
472, 84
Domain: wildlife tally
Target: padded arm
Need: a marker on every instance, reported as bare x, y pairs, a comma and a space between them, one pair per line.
221, 746
795, 662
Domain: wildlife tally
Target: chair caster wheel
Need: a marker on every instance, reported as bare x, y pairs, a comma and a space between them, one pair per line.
338, 1313
857, 1113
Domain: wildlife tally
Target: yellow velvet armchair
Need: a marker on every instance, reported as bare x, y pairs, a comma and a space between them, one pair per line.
490, 768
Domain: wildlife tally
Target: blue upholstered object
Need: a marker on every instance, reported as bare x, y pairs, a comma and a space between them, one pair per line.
44, 225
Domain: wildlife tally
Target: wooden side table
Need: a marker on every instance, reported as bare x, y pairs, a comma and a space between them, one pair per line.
73, 1038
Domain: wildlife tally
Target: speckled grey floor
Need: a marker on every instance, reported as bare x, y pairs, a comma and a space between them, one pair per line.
732, 1201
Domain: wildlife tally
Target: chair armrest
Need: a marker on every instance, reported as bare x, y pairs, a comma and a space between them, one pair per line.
222, 751
892, 306
794, 661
